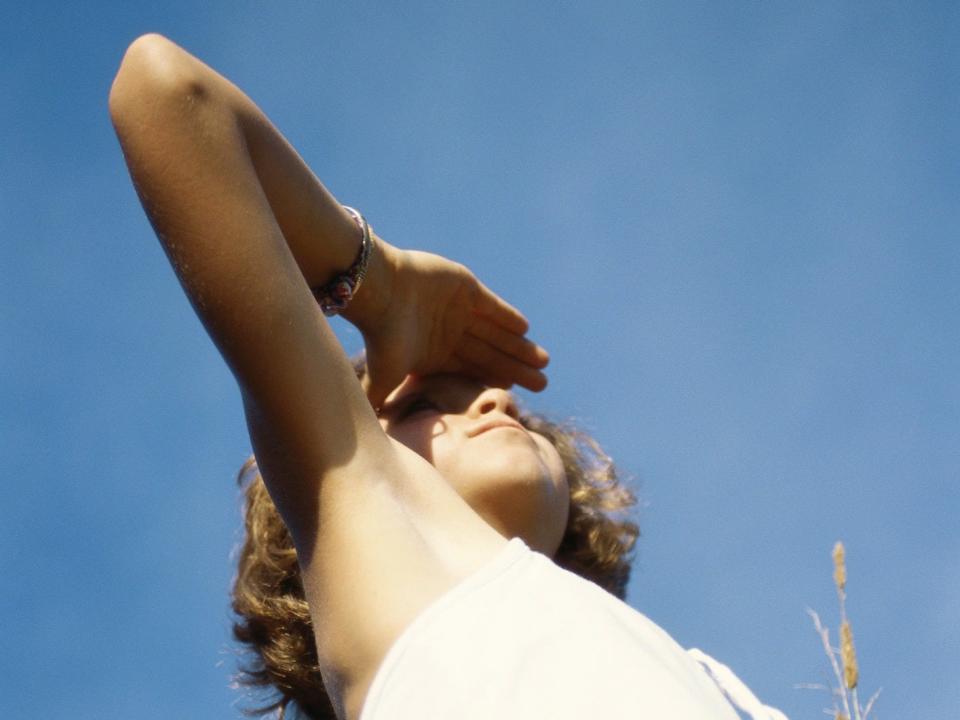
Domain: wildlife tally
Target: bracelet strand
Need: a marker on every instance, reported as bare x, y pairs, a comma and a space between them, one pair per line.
335, 295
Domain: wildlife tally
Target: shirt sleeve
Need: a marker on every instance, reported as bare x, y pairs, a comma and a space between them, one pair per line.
738, 694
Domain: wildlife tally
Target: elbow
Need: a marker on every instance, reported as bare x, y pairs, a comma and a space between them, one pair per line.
152, 67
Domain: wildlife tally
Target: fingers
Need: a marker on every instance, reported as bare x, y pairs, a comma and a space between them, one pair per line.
523, 349
490, 305
492, 364
495, 349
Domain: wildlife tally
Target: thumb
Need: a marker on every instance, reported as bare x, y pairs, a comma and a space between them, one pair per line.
379, 380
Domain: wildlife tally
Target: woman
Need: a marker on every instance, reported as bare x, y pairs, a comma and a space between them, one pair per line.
421, 509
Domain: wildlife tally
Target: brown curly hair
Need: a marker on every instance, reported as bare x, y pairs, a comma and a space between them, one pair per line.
273, 619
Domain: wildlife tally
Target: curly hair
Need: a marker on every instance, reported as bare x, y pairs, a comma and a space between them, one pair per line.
273, 618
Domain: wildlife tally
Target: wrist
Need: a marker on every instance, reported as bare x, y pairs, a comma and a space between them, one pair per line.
372, 299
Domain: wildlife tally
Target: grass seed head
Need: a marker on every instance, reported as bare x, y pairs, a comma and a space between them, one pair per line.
839, 566
849, 656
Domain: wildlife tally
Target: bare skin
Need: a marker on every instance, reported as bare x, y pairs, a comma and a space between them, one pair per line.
513, 478
380, 531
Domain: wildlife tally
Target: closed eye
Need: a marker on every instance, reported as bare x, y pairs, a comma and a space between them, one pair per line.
419, 405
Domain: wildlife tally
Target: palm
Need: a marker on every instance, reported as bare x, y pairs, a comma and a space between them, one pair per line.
442, 319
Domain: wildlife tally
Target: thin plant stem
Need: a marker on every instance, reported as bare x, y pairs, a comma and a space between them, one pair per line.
825, 638
856, 705
870, 702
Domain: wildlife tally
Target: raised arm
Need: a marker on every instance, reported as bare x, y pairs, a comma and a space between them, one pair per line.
248, 228
191, 141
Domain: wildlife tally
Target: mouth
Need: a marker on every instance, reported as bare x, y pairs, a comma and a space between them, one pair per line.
496, 424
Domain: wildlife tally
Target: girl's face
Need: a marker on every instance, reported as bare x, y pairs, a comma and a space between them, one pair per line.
512, 477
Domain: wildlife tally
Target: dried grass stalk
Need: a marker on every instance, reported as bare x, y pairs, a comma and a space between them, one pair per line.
843, 660
839, 566
848, 655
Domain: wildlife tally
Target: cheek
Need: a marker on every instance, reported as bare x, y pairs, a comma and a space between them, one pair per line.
554, 464
445, 455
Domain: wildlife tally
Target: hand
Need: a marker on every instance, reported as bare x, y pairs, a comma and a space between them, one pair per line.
433, 315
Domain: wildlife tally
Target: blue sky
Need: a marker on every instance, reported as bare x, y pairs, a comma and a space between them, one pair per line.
734, 225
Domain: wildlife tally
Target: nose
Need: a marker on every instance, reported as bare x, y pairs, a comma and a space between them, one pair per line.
494, 399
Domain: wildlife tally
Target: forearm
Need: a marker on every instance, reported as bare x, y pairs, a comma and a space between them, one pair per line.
322, 237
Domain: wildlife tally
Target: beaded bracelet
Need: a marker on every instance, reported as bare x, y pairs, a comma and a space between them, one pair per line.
336, 294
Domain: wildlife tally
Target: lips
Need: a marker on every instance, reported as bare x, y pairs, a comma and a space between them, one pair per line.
493, 424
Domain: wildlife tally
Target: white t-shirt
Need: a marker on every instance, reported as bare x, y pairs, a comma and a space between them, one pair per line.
523, 639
